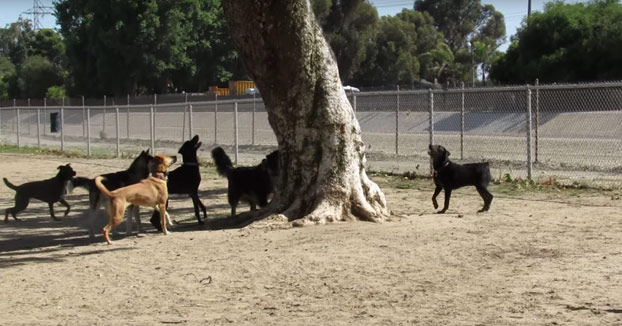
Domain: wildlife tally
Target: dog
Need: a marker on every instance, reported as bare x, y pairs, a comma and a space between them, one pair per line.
251, 184
151, 191
185, 180
450, 176
138, 170
50, 191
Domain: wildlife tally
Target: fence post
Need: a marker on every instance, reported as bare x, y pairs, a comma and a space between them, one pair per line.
431, 126
0, 118
155, 112
28, 117
116, 118
462, 124
216, 120
62, 126
397, 120
537, 119
354, 102
88, 131
17, 129
529, 131
127, 118
38, 128
183, 123
45, 113
104, 117
190, 121
253, 122
235, 129
152, 129
83, 117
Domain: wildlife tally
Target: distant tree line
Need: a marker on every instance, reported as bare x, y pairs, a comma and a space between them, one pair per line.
162, 46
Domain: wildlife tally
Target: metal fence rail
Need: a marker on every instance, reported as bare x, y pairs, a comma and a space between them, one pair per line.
572, 133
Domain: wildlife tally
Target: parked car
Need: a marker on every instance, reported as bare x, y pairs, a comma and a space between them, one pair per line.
348, 88
251, 91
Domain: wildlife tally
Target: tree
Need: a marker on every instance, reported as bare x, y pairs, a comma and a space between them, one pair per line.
399, 53
348, 26
36, 75
47, 43
462, 21
15, 41
139, 46
322, 155
7, 75
565, 43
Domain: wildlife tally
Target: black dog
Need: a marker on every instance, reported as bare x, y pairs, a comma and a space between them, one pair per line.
185, 180
450, 176
251, 184
50, 191
138, 170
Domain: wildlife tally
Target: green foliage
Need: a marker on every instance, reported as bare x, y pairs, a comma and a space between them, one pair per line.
463, 21
401, 45
348, 26
36, 75
48, 44
138, 46
565, 43
7, 75
15, 41
56, 92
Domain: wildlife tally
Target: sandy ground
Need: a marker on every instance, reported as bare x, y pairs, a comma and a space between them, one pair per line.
537, 258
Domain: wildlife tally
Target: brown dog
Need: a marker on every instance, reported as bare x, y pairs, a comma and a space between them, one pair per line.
148, 192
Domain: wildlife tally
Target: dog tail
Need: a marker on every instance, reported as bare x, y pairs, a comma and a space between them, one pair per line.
81, 182
8, 184
101, 187
222, 161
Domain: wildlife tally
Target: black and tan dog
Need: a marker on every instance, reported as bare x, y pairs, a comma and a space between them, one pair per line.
450, 176
252, 184
151, 192
138, 170
50, 191
185, 180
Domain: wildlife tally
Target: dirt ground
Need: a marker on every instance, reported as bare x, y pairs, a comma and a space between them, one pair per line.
537, 258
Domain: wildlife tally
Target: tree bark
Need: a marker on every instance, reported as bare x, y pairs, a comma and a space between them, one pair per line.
322, 158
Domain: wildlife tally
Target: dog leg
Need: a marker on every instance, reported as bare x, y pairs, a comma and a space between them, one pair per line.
116, 215
64, 203
197, 203
21, 202
162, 208
436, 192
95, 203
446, 204
486, 196
136, 213
51, 206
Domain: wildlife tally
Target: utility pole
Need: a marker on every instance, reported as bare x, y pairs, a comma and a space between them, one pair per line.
528, 8
38, 11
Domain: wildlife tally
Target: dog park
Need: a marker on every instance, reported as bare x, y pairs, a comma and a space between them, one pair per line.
543, 254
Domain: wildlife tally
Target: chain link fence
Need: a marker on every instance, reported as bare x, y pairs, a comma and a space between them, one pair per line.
566, 133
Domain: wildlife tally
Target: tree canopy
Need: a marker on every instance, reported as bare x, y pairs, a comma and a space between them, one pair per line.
565, 43
139, 46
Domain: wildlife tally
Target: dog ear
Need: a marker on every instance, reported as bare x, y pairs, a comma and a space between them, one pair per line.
197, 145
447, 153
195, 138
60, 166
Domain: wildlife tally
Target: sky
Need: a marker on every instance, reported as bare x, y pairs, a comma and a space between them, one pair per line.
513, 10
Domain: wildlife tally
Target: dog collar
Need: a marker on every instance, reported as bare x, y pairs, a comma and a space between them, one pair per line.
191, 164
162, 175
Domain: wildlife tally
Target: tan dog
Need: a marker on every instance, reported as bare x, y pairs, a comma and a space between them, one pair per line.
148, 192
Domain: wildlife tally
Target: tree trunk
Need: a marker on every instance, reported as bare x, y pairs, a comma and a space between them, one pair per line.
322, 160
